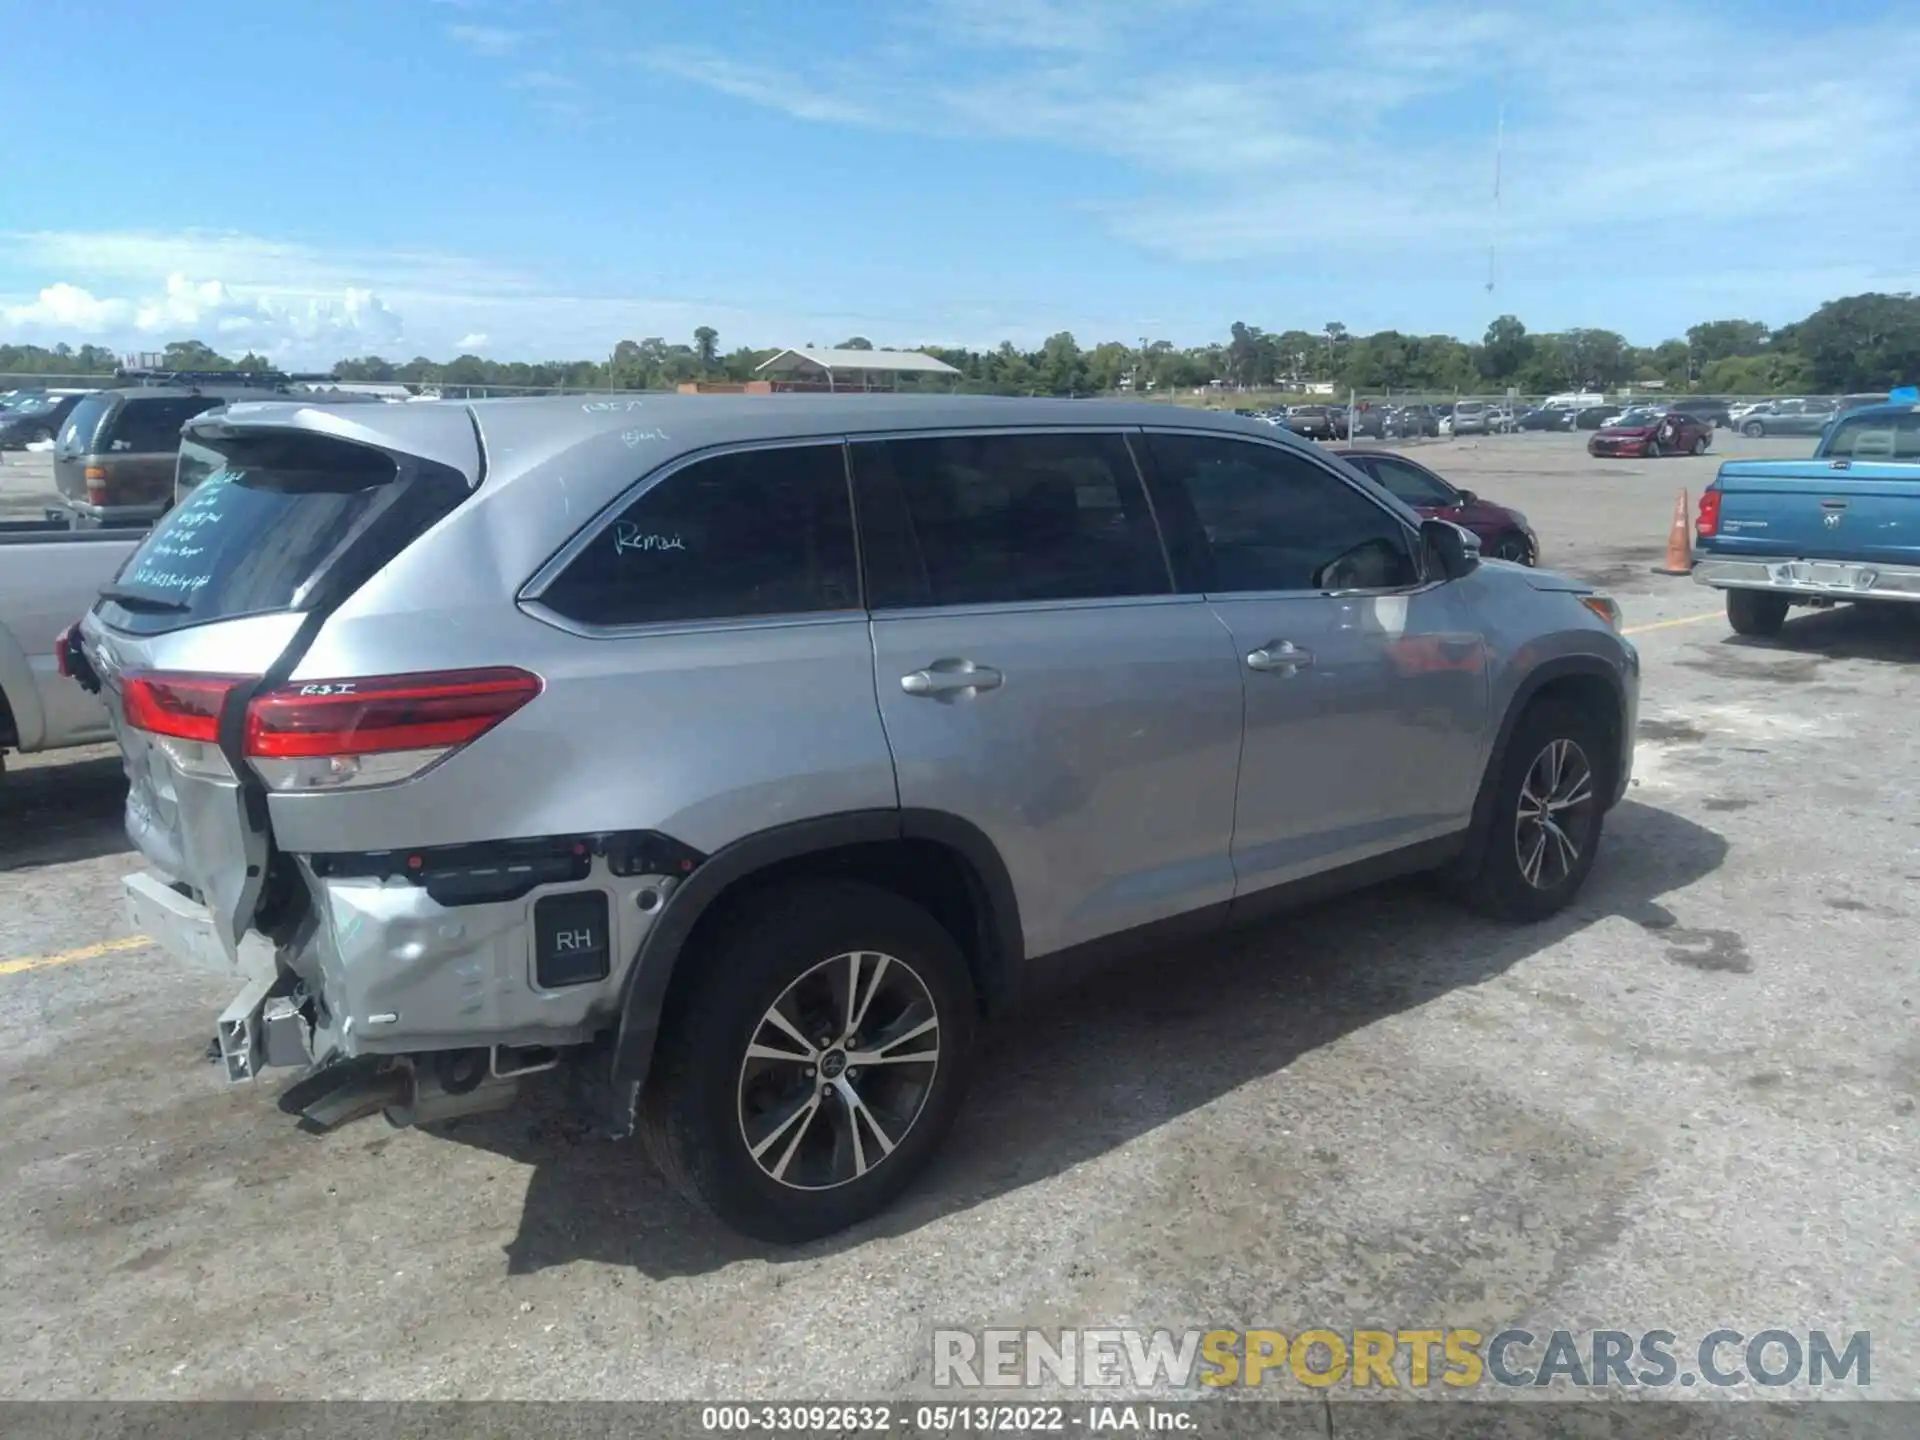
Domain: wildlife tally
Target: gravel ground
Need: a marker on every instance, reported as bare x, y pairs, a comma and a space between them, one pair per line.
1688, 1103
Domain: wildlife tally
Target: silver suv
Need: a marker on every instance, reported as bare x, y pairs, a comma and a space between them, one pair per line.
741, 753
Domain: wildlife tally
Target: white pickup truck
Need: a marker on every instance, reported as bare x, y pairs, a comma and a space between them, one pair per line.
49, 576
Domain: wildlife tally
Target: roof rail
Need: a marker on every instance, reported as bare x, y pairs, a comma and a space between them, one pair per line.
264, 379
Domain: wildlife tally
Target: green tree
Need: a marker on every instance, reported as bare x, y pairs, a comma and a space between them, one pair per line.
1505, 350
1722, 339
1861, 342
1060, 367
858, 342
706, 346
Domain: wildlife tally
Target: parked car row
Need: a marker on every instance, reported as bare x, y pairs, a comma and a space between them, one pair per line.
34, 417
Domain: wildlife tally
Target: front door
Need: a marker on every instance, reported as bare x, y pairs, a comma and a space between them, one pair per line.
1039, 677
1366, 685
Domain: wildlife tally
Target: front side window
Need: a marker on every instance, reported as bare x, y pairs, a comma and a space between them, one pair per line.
748, 534
1267, 519
991, 519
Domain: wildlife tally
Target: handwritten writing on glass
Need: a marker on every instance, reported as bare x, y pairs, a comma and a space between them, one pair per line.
629, 538
603, 407
634, 437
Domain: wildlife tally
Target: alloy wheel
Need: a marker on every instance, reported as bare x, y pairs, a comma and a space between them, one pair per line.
1555, 816
838, 1070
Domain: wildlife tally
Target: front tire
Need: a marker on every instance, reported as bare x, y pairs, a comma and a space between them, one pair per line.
1700, 446
1513, 547
1756, 612
1546, 816
1653, 450
813, 1064
1753, 429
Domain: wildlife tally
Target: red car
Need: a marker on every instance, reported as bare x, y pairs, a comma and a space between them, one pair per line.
1504, 534
1653, 433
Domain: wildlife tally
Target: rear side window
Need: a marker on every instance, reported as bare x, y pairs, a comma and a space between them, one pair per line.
1260, 518
148, 426
754, 533
992, 519
1875, 437
281, 522
83, 425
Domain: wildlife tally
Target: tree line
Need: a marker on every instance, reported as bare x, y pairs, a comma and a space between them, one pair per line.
1857, 343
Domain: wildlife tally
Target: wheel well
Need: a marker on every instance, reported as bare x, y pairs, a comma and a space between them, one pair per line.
9, 730
936, 877
1592, 695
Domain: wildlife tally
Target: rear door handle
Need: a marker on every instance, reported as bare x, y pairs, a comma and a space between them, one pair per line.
1279, 657
951, 677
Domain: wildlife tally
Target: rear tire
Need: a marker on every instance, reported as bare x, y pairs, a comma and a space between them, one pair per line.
1755, 612
1547, 813
1753, 429
795, 948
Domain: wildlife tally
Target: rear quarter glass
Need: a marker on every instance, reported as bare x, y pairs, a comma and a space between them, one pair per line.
285, 521
83, 425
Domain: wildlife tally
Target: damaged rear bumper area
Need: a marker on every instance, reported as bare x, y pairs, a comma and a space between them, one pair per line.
425, 986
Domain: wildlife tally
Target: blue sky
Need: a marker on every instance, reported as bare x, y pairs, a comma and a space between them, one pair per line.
542, 178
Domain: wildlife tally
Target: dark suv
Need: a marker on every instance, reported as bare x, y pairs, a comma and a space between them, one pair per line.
113, 462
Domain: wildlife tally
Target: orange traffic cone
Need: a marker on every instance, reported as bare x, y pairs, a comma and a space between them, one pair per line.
1679, 542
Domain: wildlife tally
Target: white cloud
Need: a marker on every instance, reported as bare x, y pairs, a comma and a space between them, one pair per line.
317, 330
472, 343
492, 41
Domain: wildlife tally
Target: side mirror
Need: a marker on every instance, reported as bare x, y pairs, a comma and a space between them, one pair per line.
1455, 551
1467, 497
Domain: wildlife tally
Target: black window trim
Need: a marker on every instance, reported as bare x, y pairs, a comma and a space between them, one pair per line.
1128, 435
1428, 580
1434, 475
529, 602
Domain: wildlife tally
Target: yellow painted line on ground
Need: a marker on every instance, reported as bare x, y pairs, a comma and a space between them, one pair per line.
1673, 624
67, 957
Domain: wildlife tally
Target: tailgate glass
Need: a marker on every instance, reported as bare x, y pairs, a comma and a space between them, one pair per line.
275, 514
284, 524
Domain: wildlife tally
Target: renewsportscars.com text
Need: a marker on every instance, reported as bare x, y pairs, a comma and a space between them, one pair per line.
1393, 1359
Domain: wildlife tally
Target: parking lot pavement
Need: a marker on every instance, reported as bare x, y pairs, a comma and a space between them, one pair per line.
1687, 1103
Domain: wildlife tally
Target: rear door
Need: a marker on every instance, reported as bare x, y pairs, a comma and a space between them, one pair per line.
1038, 676
214, 605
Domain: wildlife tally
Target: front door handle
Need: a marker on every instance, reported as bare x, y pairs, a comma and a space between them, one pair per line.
1279, 657
951, 677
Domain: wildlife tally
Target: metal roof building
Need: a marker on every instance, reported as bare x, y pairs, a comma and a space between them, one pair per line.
851, 369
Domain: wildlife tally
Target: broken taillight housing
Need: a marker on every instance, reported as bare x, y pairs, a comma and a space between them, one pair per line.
352, 734
182, 714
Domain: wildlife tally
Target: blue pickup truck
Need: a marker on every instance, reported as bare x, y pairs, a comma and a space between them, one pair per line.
1842, 525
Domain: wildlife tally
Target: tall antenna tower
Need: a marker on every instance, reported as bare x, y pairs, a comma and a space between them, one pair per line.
1499, 154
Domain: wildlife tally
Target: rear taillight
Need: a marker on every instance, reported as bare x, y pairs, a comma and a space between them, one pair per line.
96, 478
1708, 524
181, 707
61, 661
349, 734
182, 714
